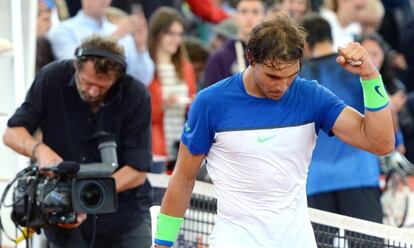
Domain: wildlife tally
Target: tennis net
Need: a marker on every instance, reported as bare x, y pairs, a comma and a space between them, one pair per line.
331, 230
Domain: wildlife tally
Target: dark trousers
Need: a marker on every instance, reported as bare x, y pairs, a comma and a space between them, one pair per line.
361, 203
137, 237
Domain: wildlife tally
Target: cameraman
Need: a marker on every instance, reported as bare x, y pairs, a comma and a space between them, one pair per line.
70, 101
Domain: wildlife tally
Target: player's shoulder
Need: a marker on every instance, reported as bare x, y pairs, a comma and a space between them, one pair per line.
309, 89
305, 84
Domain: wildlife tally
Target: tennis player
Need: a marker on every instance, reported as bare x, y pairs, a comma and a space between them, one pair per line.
257, 130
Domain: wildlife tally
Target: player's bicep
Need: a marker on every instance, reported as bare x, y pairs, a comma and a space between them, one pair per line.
348, 127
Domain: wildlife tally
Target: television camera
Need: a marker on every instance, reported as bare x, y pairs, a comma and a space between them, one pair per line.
40, 200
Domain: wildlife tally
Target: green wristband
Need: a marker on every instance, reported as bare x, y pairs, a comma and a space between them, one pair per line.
375, 95
168, 228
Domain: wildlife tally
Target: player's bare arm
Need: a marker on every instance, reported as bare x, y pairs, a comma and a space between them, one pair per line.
178, 193
374, 130
181, 182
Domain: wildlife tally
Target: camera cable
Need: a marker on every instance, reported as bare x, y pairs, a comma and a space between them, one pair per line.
27, 233
93, 230
27, 170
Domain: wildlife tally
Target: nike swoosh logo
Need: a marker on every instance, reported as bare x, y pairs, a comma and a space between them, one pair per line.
264, 139
187, 128
377, 90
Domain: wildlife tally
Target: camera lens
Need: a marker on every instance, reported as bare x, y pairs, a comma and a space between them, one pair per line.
91, 195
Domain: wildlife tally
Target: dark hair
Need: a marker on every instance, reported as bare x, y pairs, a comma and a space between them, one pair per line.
160, 23
318, 29
276, 41
102, 65
196, 50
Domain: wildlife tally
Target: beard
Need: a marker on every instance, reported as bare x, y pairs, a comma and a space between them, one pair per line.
87, 98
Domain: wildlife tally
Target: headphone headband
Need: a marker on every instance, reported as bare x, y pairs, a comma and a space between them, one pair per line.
80, 52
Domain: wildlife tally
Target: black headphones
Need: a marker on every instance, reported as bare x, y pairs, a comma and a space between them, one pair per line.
81, 52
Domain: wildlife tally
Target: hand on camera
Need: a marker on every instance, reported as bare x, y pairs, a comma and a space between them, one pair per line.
355, 59
46, 156
80, 217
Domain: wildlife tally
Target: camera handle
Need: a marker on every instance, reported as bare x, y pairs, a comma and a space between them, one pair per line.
107, 148
109, 158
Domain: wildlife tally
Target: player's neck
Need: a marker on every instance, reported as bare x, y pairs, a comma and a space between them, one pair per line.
250, 85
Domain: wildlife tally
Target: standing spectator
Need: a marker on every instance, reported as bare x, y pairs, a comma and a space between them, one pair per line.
174, 83
230, 58
342, 178
130, 32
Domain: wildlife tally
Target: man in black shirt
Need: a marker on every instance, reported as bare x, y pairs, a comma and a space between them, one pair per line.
72, 100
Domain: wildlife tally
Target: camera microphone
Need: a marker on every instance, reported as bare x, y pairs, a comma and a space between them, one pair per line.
65, 167
68, 167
